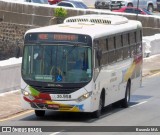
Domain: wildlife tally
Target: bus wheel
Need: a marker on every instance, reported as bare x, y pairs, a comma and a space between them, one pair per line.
39, 113
126, 100
97, 113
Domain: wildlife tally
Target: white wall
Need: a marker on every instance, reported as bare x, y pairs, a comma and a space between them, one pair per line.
10, 74
152, 43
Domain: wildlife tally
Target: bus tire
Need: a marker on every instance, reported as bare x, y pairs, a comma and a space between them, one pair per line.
126, 100
39, 113
98, 113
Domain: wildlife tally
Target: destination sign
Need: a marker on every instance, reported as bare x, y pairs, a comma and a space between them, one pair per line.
57, 37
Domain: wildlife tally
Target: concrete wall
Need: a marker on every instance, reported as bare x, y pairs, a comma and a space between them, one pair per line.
39, 15
11, 35
10, 74
16, 18
152, 44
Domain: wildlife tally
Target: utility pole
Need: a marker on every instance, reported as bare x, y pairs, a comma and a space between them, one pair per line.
137, 9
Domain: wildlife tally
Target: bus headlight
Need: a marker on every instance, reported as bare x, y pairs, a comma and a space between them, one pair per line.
84, 96
27, 94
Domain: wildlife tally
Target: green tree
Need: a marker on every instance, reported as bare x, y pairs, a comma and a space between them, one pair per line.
60, 12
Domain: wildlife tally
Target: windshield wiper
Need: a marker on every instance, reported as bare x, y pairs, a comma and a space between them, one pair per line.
73, 47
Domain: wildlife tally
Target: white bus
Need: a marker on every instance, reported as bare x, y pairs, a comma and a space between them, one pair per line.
82, 65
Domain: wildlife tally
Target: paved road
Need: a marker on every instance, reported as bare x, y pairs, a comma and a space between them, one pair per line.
144, 110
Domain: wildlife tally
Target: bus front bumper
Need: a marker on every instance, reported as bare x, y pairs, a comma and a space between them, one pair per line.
62, 106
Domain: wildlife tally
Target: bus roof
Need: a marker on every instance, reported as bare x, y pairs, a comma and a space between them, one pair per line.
93, 25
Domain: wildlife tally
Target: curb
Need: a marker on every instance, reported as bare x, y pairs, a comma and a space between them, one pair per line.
155, 71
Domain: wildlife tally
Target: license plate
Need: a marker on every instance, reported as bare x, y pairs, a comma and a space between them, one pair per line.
53, 106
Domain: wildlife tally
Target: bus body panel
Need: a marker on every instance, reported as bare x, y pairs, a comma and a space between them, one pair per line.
111, 79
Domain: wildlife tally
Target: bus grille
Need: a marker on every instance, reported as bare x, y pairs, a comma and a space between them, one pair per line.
52, 90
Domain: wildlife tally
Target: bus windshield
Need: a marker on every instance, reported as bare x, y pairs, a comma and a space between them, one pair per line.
57, 63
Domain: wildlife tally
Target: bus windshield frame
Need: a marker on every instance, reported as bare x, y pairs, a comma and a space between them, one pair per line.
51, 62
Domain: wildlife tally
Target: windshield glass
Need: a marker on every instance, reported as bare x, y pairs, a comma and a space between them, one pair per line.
57, 63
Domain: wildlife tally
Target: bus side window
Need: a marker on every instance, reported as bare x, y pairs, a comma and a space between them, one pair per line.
104, 60
125, 39
139, 41
139, 36
118, 41
96, 45
132, 37
126, 49
111, 50
102, 44
111, 44
139, 48
119, 50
